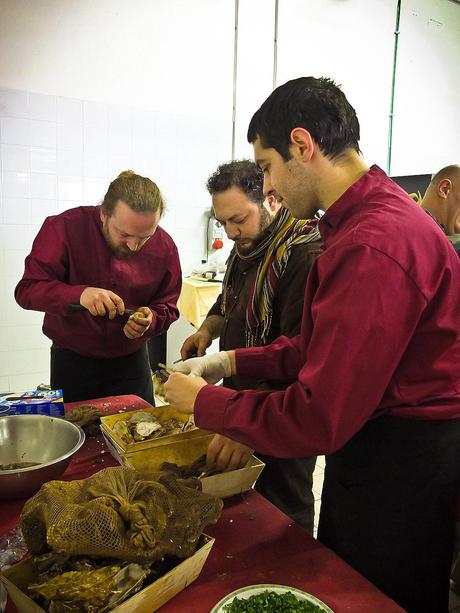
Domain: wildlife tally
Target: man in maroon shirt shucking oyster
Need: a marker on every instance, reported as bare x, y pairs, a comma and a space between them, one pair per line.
375, 371
88, 267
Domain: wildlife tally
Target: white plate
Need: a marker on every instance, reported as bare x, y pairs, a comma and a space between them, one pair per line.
250, 590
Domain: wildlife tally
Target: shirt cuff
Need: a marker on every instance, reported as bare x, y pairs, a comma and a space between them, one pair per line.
210, 407
70, 294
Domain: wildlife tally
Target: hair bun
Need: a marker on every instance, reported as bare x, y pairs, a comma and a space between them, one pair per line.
126, 173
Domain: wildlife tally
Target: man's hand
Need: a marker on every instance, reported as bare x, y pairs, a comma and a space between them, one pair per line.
101, 302
196, 344
137, 325
181, 391
212, 368
225, 454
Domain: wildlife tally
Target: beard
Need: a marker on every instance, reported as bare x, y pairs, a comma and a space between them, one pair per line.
122, 253
265, 221
304, 209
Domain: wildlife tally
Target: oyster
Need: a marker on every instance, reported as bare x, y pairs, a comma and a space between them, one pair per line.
145, 429
141, 416
122, 431
143, 425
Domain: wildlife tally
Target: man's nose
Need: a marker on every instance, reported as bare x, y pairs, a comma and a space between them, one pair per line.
232, 232
268, 187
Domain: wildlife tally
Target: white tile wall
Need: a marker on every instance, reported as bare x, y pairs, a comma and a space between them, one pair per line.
42, 160
16, 211
70, 187
42, 107
41, 208
57, 153
15, 158
15, 184
15, 131
70, 110
43, 185
14, 103
43, 133
70, 136
69, 162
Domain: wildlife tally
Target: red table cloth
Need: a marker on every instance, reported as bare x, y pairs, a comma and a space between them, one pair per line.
255, 543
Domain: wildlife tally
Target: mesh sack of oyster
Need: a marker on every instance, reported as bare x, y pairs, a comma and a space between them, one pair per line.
123, 523
143, 425
84, 415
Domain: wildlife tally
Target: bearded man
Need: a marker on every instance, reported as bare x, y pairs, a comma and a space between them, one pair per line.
261, 299
89, 265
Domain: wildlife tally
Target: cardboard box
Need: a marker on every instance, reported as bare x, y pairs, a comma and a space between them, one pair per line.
163, 413
18, 577
38, 402
184, 452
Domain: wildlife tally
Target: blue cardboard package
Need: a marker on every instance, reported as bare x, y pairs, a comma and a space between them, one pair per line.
38, 402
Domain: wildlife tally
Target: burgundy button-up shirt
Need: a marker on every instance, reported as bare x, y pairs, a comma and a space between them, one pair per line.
70, 254
380, 333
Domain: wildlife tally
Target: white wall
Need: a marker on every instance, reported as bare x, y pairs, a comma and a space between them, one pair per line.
91, 87
351, 41
427, 101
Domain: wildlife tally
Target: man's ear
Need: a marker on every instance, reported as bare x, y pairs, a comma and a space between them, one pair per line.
302, 144
444, 187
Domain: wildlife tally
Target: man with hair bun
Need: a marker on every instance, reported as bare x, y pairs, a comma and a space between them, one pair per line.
102, 260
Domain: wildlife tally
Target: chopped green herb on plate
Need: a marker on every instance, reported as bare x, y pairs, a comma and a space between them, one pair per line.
268, 602
270, 598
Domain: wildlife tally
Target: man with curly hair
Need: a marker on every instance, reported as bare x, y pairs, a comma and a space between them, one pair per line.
262, 298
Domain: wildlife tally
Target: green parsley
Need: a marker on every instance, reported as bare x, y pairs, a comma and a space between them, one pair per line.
271, 602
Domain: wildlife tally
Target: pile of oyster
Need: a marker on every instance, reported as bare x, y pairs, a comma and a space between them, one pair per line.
145, 426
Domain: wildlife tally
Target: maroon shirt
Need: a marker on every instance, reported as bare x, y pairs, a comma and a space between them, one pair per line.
70, 254
380, 333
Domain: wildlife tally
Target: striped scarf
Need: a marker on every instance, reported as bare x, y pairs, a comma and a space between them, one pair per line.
283, 233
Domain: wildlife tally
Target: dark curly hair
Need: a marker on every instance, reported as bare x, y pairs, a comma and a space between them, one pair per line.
243, 174
318, 105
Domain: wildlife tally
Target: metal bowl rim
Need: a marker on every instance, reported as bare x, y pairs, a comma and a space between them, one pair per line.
81, 440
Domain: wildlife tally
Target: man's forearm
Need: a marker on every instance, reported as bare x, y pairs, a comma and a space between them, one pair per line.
51, 296
213, 325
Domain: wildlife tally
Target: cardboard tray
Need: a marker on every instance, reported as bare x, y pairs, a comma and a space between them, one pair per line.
18, 577
183, 452
163, 413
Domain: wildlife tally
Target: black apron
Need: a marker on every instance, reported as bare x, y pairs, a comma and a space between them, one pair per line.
83, 378
388, 508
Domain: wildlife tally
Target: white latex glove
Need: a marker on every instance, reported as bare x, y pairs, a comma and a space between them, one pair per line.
212, 368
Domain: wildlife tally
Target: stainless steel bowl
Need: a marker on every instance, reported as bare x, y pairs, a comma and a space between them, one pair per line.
49, 441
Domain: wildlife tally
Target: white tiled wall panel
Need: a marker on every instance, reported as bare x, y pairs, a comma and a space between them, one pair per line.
57, 153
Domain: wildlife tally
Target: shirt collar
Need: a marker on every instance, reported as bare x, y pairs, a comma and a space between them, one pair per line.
345, 205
